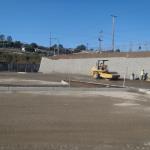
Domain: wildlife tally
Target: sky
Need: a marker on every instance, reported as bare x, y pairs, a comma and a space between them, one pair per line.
75, 22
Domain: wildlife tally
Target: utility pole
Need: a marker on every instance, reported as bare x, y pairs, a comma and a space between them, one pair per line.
100, 41
50, 42
113, 32
130, 47
58, 45
87, 46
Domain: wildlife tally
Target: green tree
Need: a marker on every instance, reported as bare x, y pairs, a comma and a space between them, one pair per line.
62, 50
17, 44
118, 50
80, 48
61, 46
9, 38
29, 48
54, 46
34, 45
2, 37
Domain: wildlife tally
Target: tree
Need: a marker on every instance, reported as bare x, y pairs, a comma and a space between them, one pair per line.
61, 46
43, 47
54, 46
140, 47
2, 37
118, 50
62, 50
10, 44
17, 44
80, 48
68, 51
34, 45
29, 48
9, 38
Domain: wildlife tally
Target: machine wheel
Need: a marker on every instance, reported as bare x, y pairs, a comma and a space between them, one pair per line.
96, 75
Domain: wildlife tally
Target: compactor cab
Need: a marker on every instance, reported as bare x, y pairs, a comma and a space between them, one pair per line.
101, 71
101, 65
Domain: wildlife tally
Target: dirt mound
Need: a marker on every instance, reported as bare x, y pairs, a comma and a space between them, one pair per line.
102, 55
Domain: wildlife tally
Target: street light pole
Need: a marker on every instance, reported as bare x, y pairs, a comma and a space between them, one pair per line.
113, 32
58, 48
50, 42
100, 41
87, 46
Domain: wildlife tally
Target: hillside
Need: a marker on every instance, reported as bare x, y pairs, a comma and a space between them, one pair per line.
18, 57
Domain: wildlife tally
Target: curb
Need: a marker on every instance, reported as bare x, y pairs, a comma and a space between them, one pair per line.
95, 83
56, 89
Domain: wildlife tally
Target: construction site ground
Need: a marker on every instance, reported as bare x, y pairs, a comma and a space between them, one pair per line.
38, 79
104, 119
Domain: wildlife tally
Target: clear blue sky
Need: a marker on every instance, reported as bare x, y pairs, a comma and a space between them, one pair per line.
75, 21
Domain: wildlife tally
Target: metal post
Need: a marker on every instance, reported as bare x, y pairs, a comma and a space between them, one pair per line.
58, 46
50, 43
113, 32
100, 41
126, 72
100, 44
87, 46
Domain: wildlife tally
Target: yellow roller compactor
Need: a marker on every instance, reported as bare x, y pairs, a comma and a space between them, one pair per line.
101, 71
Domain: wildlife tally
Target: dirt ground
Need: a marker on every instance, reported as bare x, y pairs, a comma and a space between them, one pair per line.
102, 55
114, 120
39, 78
106, 119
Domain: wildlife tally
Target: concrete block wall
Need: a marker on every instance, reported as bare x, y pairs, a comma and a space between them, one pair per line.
83, 66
